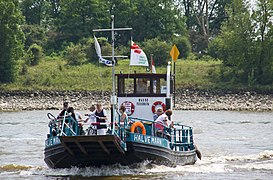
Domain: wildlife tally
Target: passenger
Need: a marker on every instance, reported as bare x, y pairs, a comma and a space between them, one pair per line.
71, 112
65, 108
123, 116
91, 117
101, 117
73, 124
158, 113
163, 120
166, 116
80, 122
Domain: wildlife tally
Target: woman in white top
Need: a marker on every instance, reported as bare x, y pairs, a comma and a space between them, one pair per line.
123, 116
91, 116
163, 119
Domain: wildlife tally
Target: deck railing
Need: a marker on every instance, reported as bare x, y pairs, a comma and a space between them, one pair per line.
180, 136
63, 126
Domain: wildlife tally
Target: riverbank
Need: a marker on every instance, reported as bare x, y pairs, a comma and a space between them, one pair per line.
186, 99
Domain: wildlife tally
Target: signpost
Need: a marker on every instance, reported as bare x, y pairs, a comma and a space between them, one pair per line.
174, 54
114, 97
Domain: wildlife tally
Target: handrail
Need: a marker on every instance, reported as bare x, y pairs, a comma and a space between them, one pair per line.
69, 125
180, 136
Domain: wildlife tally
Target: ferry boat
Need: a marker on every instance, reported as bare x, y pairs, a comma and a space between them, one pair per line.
134, 141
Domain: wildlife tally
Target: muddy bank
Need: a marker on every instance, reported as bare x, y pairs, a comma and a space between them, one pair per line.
186, 99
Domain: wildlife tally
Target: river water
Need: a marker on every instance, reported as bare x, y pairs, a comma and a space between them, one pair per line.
234, 145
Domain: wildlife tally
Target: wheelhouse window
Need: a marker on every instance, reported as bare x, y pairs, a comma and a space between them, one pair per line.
142, 85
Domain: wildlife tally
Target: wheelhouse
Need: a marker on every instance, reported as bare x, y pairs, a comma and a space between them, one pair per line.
143, 93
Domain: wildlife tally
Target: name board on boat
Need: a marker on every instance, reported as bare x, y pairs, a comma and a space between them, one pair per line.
143, 102
147, 139
52, 141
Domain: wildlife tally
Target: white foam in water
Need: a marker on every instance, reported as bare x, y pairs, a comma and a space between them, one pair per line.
261, 161
257, 166
113, 170
268, 154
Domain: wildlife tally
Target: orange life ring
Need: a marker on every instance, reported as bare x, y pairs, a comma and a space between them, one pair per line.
138, 124
158, 103
130, 107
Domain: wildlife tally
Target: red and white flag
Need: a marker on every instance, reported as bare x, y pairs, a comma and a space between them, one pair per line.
138, 57
153, 65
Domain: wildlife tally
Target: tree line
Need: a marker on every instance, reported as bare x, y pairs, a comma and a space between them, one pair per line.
233, 31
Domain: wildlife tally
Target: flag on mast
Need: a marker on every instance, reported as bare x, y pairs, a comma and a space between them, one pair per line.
153, 65
98, 51
138, 57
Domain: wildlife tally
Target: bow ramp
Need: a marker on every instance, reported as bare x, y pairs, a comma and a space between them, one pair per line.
104, 149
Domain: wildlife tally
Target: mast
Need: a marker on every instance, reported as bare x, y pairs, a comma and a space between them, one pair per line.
113, 97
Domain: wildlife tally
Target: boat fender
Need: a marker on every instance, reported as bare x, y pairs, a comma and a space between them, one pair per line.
138, 124
156, 104
198, 153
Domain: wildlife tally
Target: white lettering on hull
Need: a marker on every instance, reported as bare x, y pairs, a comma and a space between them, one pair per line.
147, 139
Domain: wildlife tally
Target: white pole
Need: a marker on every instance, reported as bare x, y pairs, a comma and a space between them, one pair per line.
169, 79
113, 99
113, 56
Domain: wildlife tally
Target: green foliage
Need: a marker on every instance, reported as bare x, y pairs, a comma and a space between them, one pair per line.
34, 34
183, 45
74, 54
89, 49
159, 49
34, 54
33, 10
204, 19
11, 39
156, 18
244, 49
78, 18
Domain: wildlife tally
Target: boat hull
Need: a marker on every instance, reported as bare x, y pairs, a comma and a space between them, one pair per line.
85, 151
140, 152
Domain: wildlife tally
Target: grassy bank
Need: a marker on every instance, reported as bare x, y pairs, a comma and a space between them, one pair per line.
54, 74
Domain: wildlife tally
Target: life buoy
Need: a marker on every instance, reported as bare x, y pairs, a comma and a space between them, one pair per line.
130, 107
156, 104
138, 124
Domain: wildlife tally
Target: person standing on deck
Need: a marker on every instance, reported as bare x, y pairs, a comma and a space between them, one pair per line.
91, 117
101, 118
123, 115
80, 122
65, 108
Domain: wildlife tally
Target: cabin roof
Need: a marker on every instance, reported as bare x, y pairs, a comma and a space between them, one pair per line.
141, 75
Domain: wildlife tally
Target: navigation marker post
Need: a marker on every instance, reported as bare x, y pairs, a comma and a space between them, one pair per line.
113, 97
174, 54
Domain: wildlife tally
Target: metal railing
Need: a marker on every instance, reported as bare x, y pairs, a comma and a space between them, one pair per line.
64, 126
180, 136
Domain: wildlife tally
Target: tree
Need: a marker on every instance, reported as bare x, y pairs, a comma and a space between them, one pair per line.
261, 16
11, 39
75, 54
34, 54
160, 50
245, 43
183, 45
156, 18
33, 10
78, 18
204, 19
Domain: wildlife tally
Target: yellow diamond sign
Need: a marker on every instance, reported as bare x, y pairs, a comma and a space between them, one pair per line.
174, 53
